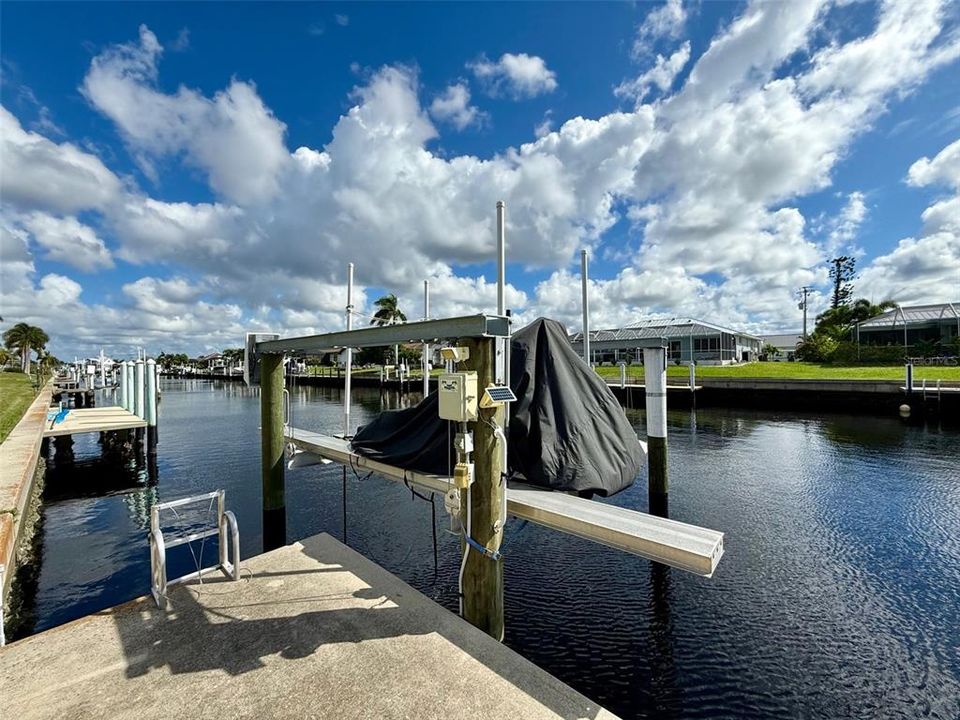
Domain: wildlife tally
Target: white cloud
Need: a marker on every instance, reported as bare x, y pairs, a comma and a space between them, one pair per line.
233, 137
342, 20
664, 21
708, 178
944, 168
68, 240
926, 268
519, 76
453, 106
661, 75
844, 228
38, 173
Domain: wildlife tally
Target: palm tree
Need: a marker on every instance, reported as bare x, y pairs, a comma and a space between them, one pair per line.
4, 357
24, 338
389, 313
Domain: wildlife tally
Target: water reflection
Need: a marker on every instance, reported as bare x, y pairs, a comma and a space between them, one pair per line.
837, 595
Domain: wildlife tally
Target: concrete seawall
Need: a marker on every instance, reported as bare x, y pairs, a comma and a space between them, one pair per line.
876, 397
18, 463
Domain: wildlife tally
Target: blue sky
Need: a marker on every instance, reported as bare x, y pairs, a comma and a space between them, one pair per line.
711, 156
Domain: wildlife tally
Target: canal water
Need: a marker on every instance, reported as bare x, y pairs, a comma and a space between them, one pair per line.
838, 596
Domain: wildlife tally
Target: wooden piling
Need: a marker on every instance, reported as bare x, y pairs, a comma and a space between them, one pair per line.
655, 380
271, 452
483, 576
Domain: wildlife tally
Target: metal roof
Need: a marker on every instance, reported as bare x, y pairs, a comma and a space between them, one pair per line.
914, 315
788, 340
659, 328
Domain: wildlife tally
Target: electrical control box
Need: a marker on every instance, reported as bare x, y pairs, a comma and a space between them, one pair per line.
458, 396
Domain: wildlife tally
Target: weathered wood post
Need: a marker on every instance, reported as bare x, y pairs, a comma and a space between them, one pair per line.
655, 380
483, 575
271, 451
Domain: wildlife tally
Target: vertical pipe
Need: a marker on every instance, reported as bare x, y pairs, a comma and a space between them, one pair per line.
693, 376
347, 388
501, 258
655, 378
138, 388
483, 575
271, 451
909, 379
585, 301
623, 375
426, 346
500, 369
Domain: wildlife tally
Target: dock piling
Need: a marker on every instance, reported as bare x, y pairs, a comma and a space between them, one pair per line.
271, 451
483, 575
655, 378
151, 405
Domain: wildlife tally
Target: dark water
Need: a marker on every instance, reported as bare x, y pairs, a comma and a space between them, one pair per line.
839, 595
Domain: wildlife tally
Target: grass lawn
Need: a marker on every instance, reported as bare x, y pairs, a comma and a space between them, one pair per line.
16, 394
797, 370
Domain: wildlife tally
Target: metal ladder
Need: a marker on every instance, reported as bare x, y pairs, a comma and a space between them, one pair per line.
229, 545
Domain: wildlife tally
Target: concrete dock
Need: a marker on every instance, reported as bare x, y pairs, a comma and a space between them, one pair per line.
313, 630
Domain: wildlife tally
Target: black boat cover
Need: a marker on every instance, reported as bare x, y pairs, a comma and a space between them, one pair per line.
567, 430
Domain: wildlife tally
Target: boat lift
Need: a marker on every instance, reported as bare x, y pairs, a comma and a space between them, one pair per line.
659, 539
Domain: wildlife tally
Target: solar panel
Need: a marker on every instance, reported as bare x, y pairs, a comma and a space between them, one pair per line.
497, 395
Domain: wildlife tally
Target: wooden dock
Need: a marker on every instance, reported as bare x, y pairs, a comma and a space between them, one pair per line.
688, 547
313, 630
96, 419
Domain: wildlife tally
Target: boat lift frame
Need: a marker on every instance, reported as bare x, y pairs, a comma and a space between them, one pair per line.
229, 545
670, 542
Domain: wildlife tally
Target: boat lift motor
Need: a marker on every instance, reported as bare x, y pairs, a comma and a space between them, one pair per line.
229, 545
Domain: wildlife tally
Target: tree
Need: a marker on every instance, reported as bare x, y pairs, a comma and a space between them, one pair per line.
24, 338
4, 357
842, 274
388, 312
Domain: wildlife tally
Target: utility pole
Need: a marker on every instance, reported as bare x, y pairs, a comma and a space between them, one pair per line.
483, 572
804, 291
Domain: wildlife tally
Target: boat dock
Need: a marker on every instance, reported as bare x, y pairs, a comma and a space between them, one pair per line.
312, 629
101, 419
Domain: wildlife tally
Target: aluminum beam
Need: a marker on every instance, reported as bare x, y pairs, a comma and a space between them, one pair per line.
415, 332
687, 547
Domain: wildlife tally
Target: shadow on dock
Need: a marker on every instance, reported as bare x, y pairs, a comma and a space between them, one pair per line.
313, 629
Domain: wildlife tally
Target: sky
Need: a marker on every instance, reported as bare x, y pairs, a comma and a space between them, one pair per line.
175, 175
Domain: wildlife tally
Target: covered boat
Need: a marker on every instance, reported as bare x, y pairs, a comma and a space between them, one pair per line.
566, 431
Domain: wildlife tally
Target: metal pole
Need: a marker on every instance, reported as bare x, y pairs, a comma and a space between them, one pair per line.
655, 379
501, 257
349, 364
483, 575
138, 388
426, 346
693, 376
500, 368
271, 452
586, 305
